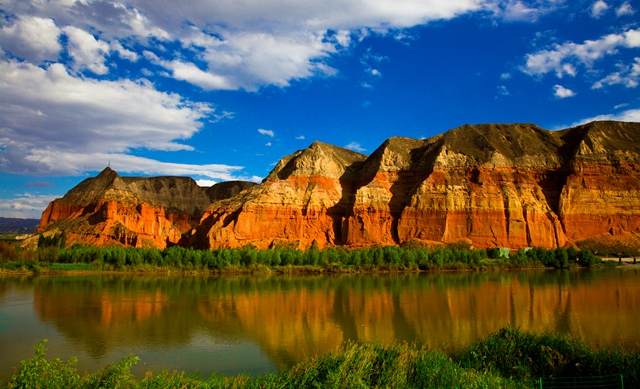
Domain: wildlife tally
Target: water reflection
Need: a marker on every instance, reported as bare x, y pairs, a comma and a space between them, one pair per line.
293, 318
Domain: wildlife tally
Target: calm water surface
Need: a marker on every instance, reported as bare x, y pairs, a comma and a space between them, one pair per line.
258, 324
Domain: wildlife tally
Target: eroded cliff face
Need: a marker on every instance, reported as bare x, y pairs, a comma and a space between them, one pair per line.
511, 185
303, 199
490, 185
131, 211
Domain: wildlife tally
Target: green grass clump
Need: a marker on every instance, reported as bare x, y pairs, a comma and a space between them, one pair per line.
509, 358
394, 366
523, 355
71, 267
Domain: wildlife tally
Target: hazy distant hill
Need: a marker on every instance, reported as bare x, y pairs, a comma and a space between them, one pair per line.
11, 226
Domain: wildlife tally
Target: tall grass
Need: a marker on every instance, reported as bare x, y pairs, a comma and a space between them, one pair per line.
522, 355
509, 358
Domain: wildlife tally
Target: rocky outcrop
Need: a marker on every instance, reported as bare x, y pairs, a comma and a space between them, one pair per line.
132, 211
303, 199
490, 185
513, 185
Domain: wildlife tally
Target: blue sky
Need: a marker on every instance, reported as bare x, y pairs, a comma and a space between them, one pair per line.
221, 90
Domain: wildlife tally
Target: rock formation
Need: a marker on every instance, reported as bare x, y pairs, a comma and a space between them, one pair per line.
132, 211
490, 185
511, 185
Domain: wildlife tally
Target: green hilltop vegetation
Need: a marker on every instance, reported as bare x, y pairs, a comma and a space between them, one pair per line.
509, 358
53, 255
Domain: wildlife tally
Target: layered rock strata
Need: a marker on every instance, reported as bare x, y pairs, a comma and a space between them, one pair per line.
513, 185
302, 200
489, 185
132, 211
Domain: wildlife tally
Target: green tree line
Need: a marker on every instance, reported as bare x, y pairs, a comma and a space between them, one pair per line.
52, 251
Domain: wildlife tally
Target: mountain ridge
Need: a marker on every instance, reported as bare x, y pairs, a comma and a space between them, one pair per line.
511, 185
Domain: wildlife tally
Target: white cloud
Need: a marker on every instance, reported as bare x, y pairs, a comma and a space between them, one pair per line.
563, 58
87, 51
301, 137
629, 76
598, 9
192, 74
32, 38
625, 9
69, 162
632, 115
561, 92
620, 105
355, 147
503, 91
505, 76
244, 44
521, 11
54, 123
266, 132
26, 205
268, 144
124, 53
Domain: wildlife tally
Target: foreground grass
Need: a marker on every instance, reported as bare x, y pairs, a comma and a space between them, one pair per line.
509, 358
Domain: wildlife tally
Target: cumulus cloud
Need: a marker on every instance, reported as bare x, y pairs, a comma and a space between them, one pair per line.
32, 38
87, 51
355, 147
54, 123
266, 132
563, 58
561, 92
124, 53
301, 137
245, 45
598, 9
26, 205
62, 118
190, 73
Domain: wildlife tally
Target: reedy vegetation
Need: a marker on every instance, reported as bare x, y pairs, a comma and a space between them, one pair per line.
52, 255
509, 358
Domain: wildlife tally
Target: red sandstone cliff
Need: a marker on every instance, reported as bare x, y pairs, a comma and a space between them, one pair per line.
491, 185
132, 211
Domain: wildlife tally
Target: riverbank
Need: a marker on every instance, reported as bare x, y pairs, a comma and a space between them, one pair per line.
509, 358
453, 257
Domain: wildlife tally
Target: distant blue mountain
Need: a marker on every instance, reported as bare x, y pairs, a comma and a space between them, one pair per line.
10, 226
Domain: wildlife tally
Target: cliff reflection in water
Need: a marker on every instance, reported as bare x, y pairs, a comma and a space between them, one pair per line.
292, 318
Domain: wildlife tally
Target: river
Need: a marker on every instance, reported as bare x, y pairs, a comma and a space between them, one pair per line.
258, 324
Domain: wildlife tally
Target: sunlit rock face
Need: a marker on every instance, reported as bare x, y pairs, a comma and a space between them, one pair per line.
513, 185
130, 211
302, 200
491, 185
